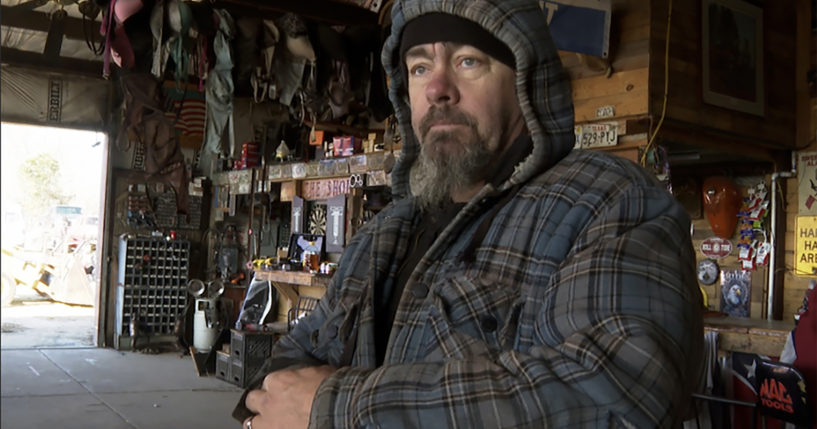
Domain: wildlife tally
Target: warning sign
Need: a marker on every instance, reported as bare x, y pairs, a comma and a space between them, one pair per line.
805, 246
807, 183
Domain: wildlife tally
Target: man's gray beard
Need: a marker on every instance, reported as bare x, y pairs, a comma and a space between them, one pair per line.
434, 178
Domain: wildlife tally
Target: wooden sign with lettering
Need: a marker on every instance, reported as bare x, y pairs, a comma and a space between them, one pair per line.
805, 246
324, 189
716, 247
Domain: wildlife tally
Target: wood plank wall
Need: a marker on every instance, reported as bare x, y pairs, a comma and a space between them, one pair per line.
795, 286
626, 87
686, 108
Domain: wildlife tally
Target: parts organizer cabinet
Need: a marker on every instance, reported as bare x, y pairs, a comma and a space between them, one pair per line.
152, 284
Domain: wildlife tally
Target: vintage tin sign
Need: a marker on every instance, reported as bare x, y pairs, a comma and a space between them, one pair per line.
325, 188
336, 223
716, 247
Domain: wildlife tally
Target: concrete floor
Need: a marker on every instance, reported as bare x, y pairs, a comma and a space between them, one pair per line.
51, 377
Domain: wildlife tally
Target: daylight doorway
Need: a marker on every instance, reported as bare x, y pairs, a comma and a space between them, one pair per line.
51, 203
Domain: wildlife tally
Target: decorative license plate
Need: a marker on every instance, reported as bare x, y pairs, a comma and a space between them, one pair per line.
596, 135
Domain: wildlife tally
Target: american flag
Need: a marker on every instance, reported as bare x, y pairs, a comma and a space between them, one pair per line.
191, 117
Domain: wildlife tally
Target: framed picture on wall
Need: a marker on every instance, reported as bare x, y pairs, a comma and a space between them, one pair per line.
733, 55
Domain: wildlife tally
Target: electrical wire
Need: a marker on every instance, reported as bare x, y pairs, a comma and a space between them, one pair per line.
666, 90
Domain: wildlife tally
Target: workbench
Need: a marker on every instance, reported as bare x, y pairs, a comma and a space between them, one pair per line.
288, 284
763, 337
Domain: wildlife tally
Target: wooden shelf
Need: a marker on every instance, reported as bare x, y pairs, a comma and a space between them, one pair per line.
336, 127
375, 161
299, 278
749, 335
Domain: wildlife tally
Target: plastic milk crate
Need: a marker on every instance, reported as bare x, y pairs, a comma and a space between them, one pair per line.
248, 352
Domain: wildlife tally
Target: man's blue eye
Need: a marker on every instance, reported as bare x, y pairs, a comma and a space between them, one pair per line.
469, 62
418, 70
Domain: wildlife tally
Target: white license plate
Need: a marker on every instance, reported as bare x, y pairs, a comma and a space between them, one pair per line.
596, 135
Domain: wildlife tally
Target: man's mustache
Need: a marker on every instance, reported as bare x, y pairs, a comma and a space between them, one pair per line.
444, 115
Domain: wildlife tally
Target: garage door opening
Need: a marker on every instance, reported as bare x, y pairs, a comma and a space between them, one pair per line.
51, 195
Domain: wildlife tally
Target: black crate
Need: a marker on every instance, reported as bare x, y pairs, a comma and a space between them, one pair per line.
223, 366
248, 352
237, 375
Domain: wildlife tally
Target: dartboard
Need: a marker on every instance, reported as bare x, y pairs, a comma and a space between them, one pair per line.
317, 220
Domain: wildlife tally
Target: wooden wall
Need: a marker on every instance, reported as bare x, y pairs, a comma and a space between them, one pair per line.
688, 119
625, 87
795, 286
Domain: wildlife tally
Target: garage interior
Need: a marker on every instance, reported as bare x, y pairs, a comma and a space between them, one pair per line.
247, 142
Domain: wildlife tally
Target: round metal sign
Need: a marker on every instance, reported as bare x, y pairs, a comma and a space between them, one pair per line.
708, 271
716, 247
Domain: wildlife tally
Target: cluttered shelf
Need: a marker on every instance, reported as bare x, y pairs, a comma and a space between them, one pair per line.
367, 163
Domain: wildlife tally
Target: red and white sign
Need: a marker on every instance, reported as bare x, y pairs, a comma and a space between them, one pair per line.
323, 189
716, 247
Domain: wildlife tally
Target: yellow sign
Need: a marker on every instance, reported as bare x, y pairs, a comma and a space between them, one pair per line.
805, 246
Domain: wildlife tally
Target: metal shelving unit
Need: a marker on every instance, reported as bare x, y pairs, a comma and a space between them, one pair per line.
152, 285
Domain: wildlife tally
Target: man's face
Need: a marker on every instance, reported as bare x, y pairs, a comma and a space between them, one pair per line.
464, 111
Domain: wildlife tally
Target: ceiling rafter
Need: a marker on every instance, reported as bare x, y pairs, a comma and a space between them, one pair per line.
62, 64
41, 21
331, 12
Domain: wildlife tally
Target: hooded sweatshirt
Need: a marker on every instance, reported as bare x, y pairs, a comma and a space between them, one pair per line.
563, 296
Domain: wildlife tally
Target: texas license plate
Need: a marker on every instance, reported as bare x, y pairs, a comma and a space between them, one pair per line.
596, 135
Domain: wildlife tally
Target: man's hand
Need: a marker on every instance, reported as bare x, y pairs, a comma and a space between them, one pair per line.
285, 400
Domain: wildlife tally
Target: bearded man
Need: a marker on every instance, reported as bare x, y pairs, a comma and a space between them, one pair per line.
512, 282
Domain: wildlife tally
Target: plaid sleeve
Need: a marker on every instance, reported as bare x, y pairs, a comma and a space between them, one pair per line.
616, 343
290, 352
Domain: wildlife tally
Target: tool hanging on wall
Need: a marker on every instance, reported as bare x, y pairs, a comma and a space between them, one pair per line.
227, 254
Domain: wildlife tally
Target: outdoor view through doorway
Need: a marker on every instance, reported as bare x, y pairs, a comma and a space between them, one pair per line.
52, 199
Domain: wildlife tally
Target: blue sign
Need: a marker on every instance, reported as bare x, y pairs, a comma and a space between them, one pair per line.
581, 26
67, 210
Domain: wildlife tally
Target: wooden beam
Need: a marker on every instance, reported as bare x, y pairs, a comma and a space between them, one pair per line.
34, 60
331, 12
41, 21
719, 140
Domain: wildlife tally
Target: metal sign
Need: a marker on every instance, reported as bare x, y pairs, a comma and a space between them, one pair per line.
805, 246
240, 181
605, 112
595, 135
335, 223
297, 215
716, 247
581, 26
323, 189
806, 183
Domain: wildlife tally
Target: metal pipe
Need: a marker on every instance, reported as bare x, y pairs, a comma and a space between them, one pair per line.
773, 235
